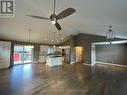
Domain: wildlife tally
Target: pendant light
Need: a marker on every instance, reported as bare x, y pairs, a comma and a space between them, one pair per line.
110, 35
30, 38
54, 40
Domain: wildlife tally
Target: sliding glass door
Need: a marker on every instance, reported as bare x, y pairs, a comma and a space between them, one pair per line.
18, 54
23, 54
28, 54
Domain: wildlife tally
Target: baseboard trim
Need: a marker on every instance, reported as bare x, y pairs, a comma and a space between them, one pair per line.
93, 64
87, 64
2, 68
118, 65
72, 62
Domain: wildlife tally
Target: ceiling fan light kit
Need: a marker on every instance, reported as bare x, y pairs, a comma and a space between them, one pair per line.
53, 22
54, 18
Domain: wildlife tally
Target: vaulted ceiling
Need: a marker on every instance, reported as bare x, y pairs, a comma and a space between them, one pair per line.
91, 17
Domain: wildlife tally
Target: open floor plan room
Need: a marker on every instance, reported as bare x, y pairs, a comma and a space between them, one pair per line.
63, 47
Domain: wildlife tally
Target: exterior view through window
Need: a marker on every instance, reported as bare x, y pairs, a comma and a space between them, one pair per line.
23, 54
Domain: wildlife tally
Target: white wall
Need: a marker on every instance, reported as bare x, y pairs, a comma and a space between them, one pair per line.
43, 51
93, 54
5, 51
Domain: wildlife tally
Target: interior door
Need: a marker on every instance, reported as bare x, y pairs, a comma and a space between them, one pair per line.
79, 54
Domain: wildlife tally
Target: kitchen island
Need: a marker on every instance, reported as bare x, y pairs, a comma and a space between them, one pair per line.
53, 61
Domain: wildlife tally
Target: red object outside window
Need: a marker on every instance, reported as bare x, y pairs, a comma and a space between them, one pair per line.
16, 56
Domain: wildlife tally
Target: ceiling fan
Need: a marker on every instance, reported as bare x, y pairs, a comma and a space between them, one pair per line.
54, 18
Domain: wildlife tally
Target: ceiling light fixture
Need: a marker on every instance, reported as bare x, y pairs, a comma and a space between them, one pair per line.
30, 38
54, 46
61, 37
110, 34
60, 47
29, 34
53, 22
54, 39
54, 18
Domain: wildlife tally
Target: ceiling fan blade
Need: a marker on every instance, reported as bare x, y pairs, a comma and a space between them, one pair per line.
39, 17
58, 26
65, 13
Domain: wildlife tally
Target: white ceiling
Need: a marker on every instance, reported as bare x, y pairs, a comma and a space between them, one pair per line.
91, 17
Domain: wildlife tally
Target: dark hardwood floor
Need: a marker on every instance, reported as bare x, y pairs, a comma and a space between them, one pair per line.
76, 79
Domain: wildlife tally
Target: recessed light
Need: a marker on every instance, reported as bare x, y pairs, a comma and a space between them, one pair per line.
54, 46
60, 47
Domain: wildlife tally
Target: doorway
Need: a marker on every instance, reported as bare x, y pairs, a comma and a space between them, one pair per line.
23, 54
79, 54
